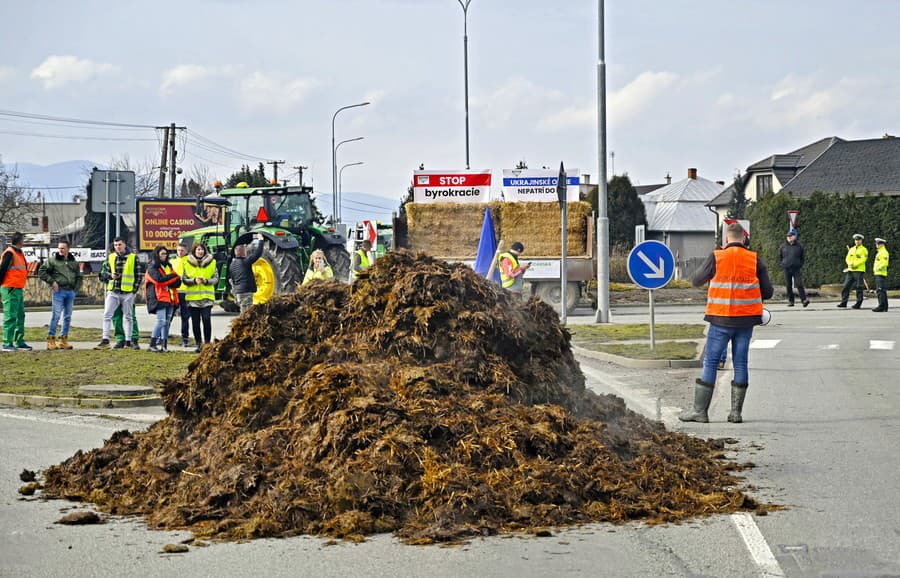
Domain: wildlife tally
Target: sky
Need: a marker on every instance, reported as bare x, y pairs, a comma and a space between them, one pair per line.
690, 83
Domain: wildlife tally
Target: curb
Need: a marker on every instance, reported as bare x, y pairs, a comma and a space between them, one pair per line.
18, 400
637, 363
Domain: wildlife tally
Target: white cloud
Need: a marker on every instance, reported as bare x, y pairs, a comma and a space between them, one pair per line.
186, 74
516, 100
636, 96
265, 91
57, 71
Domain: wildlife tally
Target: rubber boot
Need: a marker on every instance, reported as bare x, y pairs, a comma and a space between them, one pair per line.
738, 392
64, 342
703, 393
51, 343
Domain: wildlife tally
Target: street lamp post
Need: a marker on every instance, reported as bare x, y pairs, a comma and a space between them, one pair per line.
465, 9
334, 191
603, 218
337, 209
341, 173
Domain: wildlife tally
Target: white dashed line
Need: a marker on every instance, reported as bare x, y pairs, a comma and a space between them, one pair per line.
888, 345
764, 343
756, 545
830, 346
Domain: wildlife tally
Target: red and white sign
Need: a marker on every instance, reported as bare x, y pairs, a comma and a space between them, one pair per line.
452, 186
370, 233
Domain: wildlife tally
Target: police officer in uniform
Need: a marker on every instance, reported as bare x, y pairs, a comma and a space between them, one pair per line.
855, 272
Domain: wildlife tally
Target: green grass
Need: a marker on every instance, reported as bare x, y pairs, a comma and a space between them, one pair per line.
664, 349
61, 373
594, 333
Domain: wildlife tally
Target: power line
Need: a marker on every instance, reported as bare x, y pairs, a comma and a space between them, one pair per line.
212, 143
16, 114
68, 137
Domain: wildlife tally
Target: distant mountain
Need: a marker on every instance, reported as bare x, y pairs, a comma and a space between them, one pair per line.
62, 180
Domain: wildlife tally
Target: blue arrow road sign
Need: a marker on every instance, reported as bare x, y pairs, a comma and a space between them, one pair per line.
651, 265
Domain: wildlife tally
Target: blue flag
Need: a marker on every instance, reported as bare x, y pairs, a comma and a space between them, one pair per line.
487, 246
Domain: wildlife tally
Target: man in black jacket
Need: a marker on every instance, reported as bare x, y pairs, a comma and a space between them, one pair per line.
791, 255
240, 271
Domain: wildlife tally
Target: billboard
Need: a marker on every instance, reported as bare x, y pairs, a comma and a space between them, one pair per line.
538, 185
162, 221
472, 186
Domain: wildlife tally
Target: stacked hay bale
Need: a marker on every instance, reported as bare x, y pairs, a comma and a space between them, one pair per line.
421, 400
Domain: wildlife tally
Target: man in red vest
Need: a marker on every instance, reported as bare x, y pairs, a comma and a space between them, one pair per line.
13, 273
738, 284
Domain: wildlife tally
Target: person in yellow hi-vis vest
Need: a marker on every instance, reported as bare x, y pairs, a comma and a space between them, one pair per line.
855, 272
200, 278
122, 279
360, 260
512, 274
881, 267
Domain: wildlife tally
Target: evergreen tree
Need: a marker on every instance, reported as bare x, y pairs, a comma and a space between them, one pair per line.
738, 205
625, 211
255, 178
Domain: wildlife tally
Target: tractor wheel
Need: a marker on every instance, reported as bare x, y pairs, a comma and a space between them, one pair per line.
549, 293
276, 271
339, 259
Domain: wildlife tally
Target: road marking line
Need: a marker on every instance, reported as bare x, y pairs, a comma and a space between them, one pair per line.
756, 545
875, 344
57, 421
830, 346
764, 343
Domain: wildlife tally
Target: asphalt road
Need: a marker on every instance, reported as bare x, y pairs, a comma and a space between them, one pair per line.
822, 426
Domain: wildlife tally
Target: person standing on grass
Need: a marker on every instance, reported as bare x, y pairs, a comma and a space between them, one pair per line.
178, 261
200, 278
62, 273
162, 296
738, 284
13, 274
121, 284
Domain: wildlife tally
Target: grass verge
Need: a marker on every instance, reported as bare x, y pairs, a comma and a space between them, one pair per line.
664, 349
61, 373
635, 331
75, 333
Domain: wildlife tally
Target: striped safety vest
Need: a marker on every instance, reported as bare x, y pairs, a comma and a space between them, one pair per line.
17, 274
734, 291
127, 285
507, 282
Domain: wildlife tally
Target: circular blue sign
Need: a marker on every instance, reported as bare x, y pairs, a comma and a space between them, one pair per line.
651, 265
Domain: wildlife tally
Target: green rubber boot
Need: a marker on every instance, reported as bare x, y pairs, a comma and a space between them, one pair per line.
738, 392
703, 393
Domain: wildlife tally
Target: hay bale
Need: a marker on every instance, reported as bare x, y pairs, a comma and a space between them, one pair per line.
448, 230
537, 226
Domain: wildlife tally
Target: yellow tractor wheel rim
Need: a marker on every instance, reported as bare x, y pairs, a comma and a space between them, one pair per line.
265, 281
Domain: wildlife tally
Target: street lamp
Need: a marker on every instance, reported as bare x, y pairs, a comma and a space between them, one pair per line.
334, 191
341, 174
337, 211
465, 9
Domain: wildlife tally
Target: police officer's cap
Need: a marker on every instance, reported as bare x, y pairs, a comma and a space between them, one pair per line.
517, 246
879, 240
858, 236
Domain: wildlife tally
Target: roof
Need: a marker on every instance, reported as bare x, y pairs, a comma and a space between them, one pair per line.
852, 167
642, 190
681, 206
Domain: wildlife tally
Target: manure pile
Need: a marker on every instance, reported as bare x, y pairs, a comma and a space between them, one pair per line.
421, 401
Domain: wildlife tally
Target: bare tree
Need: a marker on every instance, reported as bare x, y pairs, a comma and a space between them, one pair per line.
146, 177
201, 181
15, 201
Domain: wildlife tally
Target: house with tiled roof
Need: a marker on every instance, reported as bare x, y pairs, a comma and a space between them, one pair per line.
830, 165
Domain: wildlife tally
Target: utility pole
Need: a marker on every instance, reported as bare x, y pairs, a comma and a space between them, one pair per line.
162, 164
172, 154
300, 170
275, 169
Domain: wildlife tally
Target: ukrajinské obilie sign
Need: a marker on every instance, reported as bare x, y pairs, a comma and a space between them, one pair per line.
469, 186
538, 185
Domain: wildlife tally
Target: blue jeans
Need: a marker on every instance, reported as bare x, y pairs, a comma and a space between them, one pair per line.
164, 313
717, 339
63, 301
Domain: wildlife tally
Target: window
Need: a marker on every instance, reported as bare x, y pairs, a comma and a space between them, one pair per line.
763, 185
35, 221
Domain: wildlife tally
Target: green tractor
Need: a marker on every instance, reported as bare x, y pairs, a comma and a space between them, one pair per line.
284, 216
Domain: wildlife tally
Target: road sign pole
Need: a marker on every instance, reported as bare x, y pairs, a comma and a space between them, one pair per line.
652, 323
106, 204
